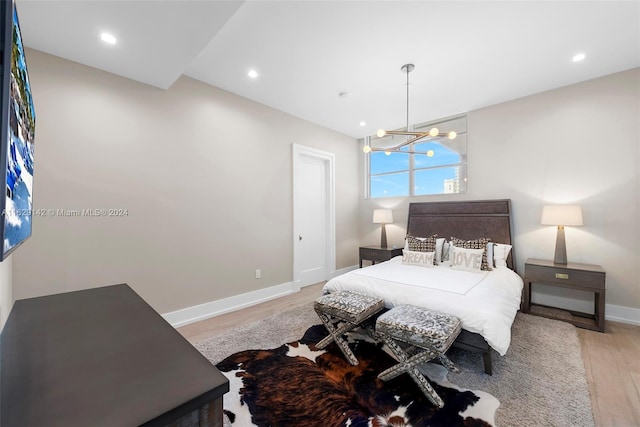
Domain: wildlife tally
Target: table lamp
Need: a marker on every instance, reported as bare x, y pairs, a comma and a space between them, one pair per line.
561, 215
383, 216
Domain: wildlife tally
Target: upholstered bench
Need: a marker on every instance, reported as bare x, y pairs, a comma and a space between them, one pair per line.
415, 336
351, 310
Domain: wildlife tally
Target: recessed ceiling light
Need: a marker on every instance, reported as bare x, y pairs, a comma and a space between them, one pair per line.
108, 38
578, 57
252, 73
363, 123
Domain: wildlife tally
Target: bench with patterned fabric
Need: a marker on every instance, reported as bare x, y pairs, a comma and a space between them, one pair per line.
351, 310
415, 336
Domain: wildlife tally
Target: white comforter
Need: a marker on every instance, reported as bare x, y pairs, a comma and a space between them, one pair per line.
486, 303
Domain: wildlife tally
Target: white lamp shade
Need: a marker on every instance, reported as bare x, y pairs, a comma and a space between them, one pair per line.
562, 215
382, 216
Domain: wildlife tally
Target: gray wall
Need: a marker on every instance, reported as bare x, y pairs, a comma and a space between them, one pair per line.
206, 177
577, 144
6, 290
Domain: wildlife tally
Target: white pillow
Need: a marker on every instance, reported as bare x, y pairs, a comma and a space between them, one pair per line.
500, 254
422, 259
466, 259
490, 259
439, 247
446, 248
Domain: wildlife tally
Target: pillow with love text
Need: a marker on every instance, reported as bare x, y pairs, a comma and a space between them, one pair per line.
466, 259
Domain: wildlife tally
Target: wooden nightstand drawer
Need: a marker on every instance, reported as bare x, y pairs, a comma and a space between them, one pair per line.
590, 276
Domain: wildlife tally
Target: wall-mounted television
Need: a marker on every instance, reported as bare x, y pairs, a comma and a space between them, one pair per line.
17, 132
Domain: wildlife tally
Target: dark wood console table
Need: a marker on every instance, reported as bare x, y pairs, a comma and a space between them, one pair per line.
102, 357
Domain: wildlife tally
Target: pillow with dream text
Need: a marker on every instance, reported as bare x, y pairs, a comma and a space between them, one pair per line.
500, 254
422, 259
421, 244
466, 259
480, 243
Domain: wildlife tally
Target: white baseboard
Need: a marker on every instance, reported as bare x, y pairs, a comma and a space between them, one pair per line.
616, 313
207, 310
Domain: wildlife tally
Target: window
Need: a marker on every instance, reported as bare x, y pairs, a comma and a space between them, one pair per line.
442, 170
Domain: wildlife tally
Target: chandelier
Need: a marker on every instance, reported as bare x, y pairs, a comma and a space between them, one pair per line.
432, 134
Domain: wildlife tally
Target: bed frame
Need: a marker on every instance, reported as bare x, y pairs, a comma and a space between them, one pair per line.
465, 220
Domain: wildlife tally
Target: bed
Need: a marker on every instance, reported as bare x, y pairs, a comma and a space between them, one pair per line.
485, 302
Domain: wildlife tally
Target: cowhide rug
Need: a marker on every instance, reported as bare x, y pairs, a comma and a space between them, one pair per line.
298, 385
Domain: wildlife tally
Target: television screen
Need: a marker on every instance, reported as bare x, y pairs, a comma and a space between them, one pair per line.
17, 135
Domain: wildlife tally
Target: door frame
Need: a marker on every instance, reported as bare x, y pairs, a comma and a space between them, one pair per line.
330, 225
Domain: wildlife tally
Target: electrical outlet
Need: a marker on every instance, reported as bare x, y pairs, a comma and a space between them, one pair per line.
258, 274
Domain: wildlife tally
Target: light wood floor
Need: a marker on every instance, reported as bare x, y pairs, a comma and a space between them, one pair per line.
612, 362
612, 359
220, 324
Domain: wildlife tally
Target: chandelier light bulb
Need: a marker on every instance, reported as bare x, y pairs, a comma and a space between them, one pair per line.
366, 149
452, 135
434, 132
430, 153
388, 153
381, 133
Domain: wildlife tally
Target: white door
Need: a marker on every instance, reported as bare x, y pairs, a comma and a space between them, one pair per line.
314, 244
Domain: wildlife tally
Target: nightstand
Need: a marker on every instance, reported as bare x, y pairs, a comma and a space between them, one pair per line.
376, 253
584, 277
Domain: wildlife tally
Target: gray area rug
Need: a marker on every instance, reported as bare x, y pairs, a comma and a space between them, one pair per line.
541, 381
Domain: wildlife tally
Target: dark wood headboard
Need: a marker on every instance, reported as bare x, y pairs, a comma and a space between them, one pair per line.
466, 220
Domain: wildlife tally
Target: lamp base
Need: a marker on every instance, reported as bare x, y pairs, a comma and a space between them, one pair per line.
561, 248
383, 237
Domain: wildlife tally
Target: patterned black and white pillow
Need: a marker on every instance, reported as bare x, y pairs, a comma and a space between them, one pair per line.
480, 243
422, 244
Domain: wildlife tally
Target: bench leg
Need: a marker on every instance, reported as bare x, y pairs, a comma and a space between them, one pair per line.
447, 363
409, 365
335, 334
426, 387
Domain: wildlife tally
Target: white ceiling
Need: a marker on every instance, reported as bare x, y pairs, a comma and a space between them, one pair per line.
467, 54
